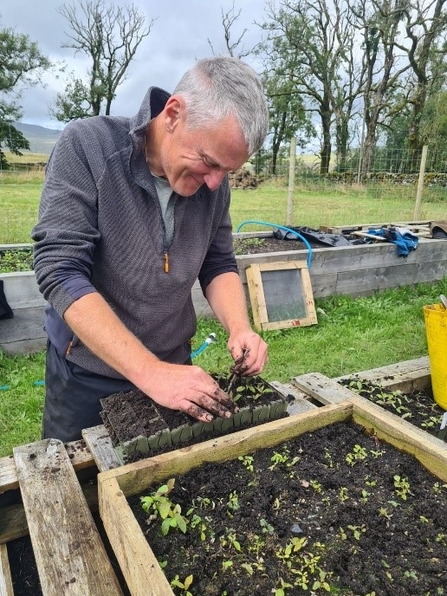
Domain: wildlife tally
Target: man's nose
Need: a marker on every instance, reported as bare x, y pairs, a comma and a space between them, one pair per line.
214, 179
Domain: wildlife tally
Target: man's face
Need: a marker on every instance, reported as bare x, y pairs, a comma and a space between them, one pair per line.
190, 158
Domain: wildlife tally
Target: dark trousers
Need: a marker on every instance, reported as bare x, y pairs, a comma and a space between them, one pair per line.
72, 397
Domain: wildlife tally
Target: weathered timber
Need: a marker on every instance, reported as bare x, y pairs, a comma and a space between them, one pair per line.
406, 376
100, 446
141, 570
70, 556
6, 588
322, 389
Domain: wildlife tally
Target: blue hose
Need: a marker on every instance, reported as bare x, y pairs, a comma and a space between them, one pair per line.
209, 340
266, 223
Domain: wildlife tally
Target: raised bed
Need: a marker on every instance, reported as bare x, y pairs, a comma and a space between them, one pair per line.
351, 270
332, 403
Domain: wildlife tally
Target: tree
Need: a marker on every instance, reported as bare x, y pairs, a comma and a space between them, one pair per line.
433, 130
380, 23
234, 48
110, 37
423, 27
313, 42
20, 64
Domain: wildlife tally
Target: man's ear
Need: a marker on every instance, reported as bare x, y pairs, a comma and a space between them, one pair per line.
174, 111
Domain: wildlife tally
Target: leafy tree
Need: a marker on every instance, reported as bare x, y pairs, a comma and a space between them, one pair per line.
424, 26
379, 23
433, 130
287, 116
110, 36
312, 44
20, 64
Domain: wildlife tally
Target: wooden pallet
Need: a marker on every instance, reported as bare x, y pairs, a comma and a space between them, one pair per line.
419, 228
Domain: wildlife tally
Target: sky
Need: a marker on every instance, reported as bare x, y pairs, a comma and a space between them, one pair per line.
179, 36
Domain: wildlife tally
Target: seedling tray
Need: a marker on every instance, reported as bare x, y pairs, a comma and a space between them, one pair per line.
140, 428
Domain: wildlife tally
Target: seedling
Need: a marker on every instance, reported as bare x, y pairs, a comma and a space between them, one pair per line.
357, 454
402, 487
159, 505
183, 585
247, 462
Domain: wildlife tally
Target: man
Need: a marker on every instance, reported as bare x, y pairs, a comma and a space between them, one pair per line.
133, 211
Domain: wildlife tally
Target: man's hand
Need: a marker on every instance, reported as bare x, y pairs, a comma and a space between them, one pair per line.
188, 389
249, 352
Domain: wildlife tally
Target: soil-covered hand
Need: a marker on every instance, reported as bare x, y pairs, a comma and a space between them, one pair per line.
189, 389
249, 352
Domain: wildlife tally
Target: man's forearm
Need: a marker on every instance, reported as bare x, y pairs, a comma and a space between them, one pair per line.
226, 297
97, 326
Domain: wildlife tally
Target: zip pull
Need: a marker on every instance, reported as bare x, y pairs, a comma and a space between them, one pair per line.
166, 266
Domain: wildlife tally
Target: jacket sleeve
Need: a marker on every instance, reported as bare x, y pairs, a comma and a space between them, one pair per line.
66, 233
220, 256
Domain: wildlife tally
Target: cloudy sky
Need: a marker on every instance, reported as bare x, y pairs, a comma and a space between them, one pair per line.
179, 36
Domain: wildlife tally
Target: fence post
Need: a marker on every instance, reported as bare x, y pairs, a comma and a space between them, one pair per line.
420, 188
292, 161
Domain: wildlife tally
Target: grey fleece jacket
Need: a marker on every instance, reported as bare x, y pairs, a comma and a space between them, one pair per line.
100, 229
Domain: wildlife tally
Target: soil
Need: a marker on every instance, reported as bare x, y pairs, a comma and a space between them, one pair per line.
417, 407
333, 510
258, 245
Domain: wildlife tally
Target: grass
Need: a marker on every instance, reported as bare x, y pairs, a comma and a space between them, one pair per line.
21, 401
352, 335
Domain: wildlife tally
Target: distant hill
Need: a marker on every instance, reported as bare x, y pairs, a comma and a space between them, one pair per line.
41, 139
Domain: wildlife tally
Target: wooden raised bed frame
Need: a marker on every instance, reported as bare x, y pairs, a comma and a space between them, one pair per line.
137, 561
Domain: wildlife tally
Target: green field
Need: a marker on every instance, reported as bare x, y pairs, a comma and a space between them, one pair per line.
314, 204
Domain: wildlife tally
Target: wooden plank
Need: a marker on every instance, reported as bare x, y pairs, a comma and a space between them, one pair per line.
322, 388
77, 451
100, 446
404, 376
136, 477
300, 402
70, 556
354, 227
6, 588
141, 570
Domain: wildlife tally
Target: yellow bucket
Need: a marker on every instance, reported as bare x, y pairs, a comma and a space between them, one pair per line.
436, 328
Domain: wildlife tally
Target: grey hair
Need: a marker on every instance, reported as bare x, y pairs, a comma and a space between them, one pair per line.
222, 86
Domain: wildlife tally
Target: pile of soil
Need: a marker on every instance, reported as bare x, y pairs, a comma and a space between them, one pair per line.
333, 510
